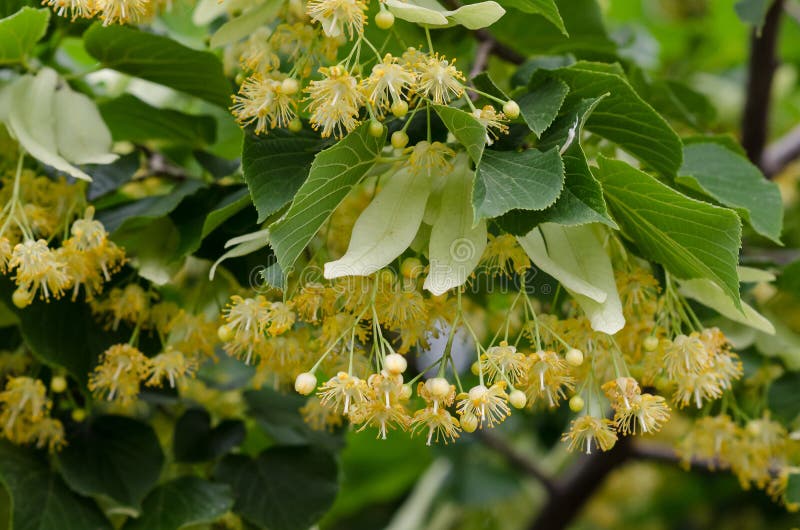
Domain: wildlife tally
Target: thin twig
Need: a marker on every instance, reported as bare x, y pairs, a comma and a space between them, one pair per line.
517, 459
481, 57
497, 48
666, 454
761, 70
781, 153
575, 489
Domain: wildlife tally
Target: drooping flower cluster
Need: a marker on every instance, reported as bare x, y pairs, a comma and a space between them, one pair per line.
758, 451
109, 11
293, 69
186, 341
37, 210
25, 414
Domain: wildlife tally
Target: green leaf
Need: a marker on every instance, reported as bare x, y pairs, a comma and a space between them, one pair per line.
468, 131
536, 35
109, 177
692, 239
711, 295
782, 397
139, 213
183, 502
276, 165
582, 201
792, 494
476, 16
20, 32
575, 256
411, 12
540, 106
546, 8
160, 60
241, 246
41, 500
789, 279
278, 415
731, 180
230, 205
81, 134
432, 13
623, 117
333, 173
131, 119
528, 180
245, 24
752, 12
112, 456
32, 119
196, 441
456, 246
285, 488
386, 227
61, 333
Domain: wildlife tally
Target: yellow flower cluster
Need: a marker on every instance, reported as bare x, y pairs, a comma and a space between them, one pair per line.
37, 210
340, 94
109, 11
25, 414
758, 451
187, 341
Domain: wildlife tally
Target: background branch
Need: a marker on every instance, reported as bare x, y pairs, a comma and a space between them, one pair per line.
761, 70
516, 459
781, 153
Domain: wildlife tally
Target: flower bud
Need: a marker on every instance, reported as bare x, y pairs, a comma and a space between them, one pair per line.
305, 383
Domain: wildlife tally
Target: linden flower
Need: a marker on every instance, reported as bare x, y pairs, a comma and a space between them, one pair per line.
487, 404
258, 54
5, 253
649, 411
314, 302
548, 377
334, 102
438, 392
172, 365
80, 267
122, 11
281, 318
73, 8
342, 391
503, 255
48, 433
685, 355
338, 16
711, 439
440, 424
318, 417
504, 361
622, 392
430, 158
23, 398
400, 308
130, 304
698, 388
263, 101
638, 290
587, 431
117, 376
387, 82
495, 122
38, 267
439, 80
375, 413
247, 317
386, 387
